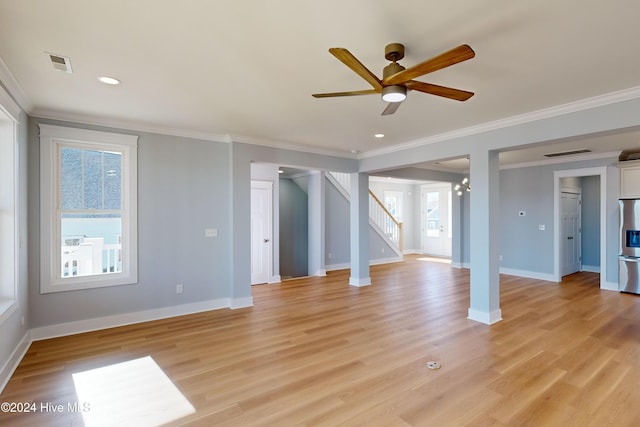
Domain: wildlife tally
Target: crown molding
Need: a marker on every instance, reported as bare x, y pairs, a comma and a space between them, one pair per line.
225, 138
9, 106
13, 87
558, 110
292, 146
130, 126
564, 159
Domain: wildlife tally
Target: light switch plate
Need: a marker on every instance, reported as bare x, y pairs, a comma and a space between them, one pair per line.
210, 232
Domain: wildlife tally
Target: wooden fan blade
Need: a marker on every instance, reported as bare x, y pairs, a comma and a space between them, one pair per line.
446, 92
392, 107
454, 56
351, 93
352, 62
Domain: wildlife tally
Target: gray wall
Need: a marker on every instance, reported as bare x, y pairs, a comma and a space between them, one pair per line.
336, 227
294, 220
591, 221
522, 245
337, 232
530, 190
183, 188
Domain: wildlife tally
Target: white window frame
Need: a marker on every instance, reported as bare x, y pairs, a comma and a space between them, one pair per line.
398, 195
51, 139
9, 241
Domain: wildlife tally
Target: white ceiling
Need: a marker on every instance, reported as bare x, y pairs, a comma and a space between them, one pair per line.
245, 70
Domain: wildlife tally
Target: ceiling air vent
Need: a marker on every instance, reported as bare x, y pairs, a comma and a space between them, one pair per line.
567, 153
60, 63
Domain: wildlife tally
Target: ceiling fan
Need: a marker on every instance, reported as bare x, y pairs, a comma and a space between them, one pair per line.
396, 79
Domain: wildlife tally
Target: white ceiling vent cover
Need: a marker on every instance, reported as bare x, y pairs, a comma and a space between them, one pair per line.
60, 63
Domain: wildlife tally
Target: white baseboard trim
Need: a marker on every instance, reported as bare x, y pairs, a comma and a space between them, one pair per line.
591, 268
14, 360
412, 252
484, 317
528, 274
365, 281
320, 273
386, 260
334, 267
610, 286
346, 265
275, 279
241, 302
106, 322
460, 264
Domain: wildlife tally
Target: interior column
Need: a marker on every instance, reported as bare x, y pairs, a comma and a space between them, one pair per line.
359, 230
316, 234
484, 237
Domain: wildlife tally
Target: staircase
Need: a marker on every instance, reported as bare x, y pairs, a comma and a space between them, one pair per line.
380, 218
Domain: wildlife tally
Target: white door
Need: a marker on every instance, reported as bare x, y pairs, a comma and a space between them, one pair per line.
435, 219
570, 232
261, 231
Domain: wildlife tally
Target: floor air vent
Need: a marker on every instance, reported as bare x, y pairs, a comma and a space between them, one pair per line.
567, 153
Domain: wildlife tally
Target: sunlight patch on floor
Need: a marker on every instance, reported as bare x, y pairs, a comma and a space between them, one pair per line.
132, 393
435, 259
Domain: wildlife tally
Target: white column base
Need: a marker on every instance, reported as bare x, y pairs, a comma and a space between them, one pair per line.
484, 317
366, 281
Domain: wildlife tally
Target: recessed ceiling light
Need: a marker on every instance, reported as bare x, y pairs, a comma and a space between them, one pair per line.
109, 80
280, 171
379, 135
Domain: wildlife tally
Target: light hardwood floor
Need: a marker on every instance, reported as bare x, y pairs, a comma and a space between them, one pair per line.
316, 351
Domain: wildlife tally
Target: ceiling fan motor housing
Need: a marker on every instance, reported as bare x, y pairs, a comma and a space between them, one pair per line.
394, 52
391, 69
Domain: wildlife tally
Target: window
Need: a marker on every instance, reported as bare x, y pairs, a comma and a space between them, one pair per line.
88, 208
8, 205
393, 203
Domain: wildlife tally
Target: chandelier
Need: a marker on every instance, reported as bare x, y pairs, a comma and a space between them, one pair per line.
464, 186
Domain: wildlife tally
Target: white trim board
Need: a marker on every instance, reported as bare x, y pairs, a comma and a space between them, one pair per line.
528, 274
99, 323
14, 360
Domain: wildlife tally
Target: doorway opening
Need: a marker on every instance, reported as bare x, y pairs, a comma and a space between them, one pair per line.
570, 226
436, 219
600, 227
261, 231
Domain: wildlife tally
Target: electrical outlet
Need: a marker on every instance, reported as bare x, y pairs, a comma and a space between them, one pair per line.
329, 255
178, 289
500, 258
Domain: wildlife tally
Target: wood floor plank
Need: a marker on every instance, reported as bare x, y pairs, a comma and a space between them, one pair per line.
318, 352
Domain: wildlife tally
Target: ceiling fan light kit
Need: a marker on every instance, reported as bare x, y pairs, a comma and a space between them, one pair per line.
394, 93
396, 79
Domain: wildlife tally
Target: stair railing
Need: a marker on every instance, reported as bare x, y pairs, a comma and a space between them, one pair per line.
379, 214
